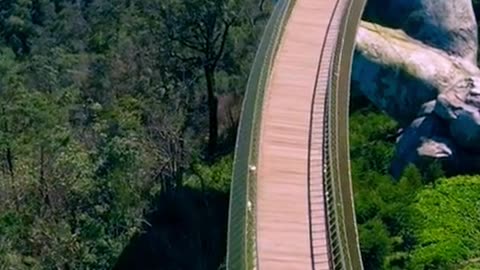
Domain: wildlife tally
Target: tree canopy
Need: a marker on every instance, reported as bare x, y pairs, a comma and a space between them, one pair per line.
109, 109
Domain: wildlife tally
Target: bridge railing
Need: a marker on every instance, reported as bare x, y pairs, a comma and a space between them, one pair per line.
344, 248
342, 230
241, 242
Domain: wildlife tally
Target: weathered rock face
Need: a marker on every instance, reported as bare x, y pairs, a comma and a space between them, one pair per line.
460, 107
444, 24
447, 25
389, 13
426, 137
378, 68
421, 70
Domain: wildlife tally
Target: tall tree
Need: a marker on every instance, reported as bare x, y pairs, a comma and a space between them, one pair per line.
199, 31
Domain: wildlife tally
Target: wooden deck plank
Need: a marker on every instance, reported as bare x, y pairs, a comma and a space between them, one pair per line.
283, 211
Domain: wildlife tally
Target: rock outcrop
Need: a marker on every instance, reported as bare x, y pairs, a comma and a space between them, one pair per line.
416, 60
443, 24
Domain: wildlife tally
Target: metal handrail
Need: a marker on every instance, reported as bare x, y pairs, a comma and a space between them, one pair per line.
344, 245
241, 242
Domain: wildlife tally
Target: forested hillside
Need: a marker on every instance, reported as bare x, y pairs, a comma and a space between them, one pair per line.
117, 123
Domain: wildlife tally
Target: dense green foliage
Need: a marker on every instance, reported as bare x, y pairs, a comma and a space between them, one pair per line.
447, 225
379, 200
117, 118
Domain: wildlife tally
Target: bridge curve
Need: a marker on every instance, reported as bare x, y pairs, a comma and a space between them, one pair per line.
291, 204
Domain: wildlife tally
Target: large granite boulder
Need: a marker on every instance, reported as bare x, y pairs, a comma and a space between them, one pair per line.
425, 138
460, 107
444, 24
416, 60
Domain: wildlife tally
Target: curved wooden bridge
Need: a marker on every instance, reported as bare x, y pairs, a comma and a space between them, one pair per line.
291, 201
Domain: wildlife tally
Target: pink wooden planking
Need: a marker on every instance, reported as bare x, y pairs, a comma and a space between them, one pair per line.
286, 237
